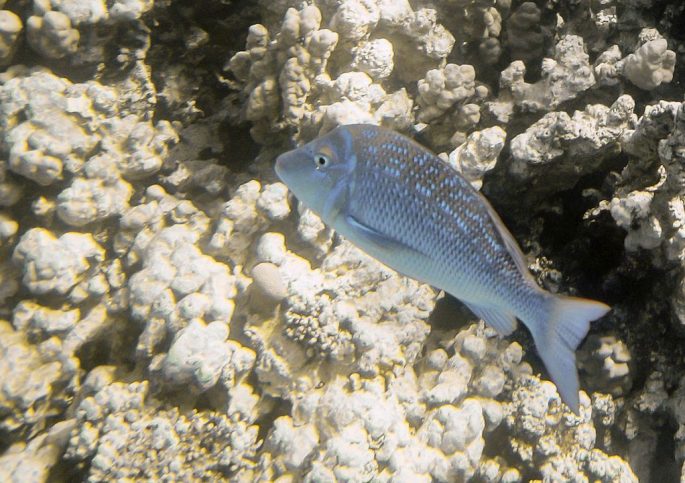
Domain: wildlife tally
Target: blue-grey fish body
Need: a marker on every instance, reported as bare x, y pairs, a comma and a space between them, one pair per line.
412, 211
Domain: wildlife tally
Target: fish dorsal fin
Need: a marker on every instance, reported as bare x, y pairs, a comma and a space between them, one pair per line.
508, 239
502, 322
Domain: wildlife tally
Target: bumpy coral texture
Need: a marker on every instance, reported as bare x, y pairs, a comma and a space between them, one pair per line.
168, 311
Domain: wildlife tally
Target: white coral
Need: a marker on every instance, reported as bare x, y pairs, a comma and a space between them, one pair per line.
374, 57
478, 154
10, 28
57, 265
442, 88
650, 65
547, 437
52, 35
564, 77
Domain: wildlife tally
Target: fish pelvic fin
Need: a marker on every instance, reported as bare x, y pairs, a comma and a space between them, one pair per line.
558, 334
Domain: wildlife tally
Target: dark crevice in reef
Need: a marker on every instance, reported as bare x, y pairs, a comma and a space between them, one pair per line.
67, 471
586, 251
447, 314
240, 150
281, 407
589, 255
191, 85
664, 468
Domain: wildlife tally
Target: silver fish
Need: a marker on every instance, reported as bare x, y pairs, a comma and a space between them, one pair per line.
412, 211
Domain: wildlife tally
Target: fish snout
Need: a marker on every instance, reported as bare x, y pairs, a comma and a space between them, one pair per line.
291, 166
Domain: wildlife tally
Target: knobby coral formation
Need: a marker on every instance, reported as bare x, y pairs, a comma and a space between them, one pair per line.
168, 311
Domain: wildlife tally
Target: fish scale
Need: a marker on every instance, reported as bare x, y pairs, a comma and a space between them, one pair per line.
412, 211
432, 180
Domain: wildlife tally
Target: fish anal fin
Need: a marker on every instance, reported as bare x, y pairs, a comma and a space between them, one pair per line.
503, 322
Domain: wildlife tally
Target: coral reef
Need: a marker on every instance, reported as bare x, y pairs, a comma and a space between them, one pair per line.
168, 311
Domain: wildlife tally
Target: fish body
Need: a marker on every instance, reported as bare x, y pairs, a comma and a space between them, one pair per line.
412, 211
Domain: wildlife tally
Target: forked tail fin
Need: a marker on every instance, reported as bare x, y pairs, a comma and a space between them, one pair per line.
557, 334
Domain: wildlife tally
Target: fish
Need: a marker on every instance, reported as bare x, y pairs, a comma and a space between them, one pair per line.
415, 213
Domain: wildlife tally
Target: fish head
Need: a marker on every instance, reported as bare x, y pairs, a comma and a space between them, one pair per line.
316, 172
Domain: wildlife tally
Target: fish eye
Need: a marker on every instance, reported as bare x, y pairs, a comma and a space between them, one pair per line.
321, 160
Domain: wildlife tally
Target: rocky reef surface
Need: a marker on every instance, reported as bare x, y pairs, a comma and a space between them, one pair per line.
169, 312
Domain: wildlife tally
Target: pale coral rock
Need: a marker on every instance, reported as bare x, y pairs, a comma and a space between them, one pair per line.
192, 168
156, 211
173, 267
395, 111
128, 10
81, 11
43, 322
354, 324
356, 87
177, 282
632, 213
198, 355
314, 232
8, 229
273, 202
10, 29
573, 145
374, 57
607, 362
52, 35
564, 77
286, 82
52, 128
417, 38
457, 433
345, 112
442, 88
248, 213
94, 326
145, 146
354, 19
277, 75
433, 39
650, 65
607, 67
478, 154
90, 200
128, 434
56, 265
10, 191
548, 438
394, 13
525, 39
268, 287
32, 461
37, 383
393, 429
652, 211
271, 249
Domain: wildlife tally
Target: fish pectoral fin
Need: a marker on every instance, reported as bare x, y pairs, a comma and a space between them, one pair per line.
377, 238
502, 322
